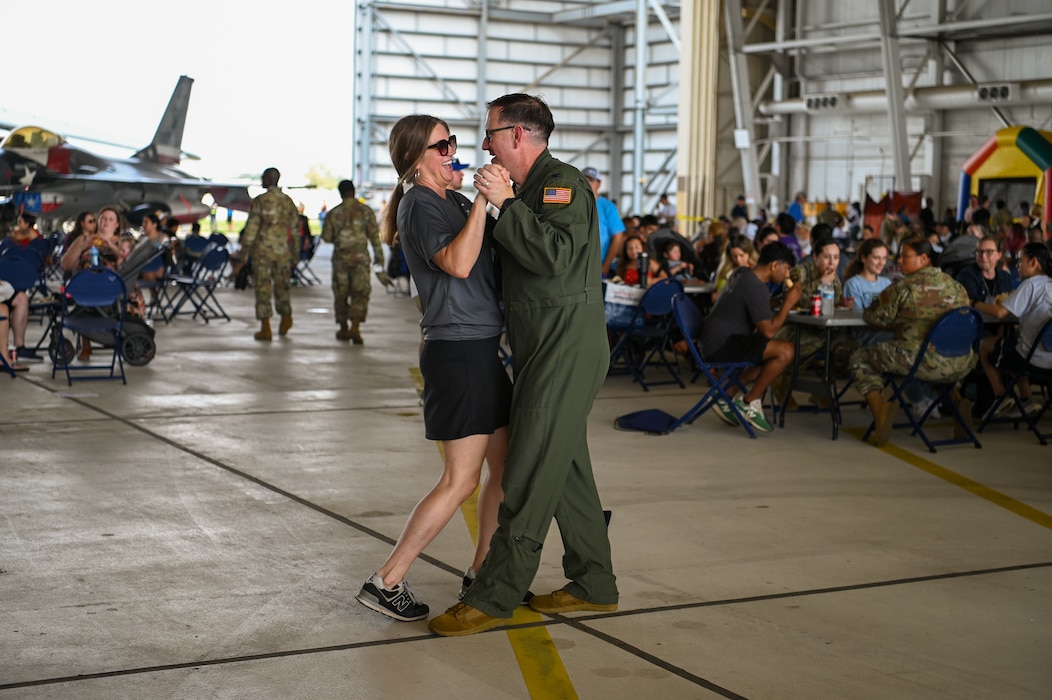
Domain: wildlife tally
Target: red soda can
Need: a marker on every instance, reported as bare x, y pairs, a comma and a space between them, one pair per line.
816, 304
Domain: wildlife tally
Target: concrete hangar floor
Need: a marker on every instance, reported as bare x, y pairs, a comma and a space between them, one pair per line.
202, 531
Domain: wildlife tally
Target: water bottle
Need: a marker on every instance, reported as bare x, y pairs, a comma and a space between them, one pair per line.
826, 290
93, 256
644, 269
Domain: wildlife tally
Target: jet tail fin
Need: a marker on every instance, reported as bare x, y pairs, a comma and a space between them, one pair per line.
166, 146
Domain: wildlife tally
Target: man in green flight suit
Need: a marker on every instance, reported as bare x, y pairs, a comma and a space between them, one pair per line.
272, 217
547, 238
351, 227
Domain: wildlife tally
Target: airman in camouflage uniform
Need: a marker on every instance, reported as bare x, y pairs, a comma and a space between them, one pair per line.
807, 278
350, 226
909, 307
272, 218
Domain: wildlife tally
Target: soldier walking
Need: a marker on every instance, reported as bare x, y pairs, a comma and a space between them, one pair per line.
272, 218
351, 227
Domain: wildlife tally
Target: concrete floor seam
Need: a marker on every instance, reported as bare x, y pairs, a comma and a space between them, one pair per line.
265, 484
818, 591
619, 643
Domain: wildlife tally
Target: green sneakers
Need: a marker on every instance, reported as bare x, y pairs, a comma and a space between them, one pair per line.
753, 412
723, 410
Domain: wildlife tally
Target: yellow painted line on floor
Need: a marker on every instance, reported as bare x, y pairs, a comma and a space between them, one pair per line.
974, 487
539, 661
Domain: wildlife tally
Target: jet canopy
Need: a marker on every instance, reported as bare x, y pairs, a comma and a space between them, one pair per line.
32, 137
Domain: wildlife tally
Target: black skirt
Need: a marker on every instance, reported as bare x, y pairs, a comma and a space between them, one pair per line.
466, 388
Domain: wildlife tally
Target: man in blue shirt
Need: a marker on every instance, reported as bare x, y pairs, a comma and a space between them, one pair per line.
796, 209
611, 227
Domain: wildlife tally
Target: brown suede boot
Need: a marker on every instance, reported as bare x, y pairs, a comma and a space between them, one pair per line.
883, 416
285, 325
356, 337
264, 331
343, 333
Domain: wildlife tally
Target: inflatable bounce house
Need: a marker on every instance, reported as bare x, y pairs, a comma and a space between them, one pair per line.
1015, 165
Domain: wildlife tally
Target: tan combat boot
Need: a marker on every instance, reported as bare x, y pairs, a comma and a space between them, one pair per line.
343, 333
356, 337
883, 416
285, 325
264, 331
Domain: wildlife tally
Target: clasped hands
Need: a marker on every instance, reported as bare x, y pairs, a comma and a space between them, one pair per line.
494, 183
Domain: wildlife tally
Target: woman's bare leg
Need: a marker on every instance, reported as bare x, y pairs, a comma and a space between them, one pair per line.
460, 477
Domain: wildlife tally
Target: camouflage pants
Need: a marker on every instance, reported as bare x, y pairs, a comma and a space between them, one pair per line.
868, 364
270, 276
351, 287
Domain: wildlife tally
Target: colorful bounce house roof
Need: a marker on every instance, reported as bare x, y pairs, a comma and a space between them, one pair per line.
1013, 153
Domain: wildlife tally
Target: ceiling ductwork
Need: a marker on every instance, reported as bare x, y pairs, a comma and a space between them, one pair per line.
925, 99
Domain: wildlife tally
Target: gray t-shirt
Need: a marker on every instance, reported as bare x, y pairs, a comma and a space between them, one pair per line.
454, 309
744, 301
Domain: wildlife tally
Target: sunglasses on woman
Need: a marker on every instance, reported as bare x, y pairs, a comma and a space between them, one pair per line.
445, 145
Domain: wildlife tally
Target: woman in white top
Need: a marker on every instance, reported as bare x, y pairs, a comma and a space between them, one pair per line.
1031, 303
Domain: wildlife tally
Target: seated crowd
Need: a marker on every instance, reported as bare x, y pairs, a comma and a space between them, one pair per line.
902, 279
96, 239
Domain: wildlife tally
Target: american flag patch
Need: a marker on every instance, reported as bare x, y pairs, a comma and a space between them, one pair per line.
556, 195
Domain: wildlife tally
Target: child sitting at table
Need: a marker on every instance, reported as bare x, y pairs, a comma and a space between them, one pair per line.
673, 262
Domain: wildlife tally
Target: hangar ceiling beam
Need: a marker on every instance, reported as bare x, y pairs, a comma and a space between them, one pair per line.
1031, 24
889, 46
971, 79
744, 133
639, 93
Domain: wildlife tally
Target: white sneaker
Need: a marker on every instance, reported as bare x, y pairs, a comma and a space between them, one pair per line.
1005, 408
1033, 405
753, 412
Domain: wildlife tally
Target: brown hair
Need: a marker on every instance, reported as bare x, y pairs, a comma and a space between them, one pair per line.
865, 249
407, 145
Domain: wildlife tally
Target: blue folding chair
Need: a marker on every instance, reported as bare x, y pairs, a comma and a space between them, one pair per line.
199, 289
956, 333
1037, 377
720, 375
646, 339
93, 305
302, 274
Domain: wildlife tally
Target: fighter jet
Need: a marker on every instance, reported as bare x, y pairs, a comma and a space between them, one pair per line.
42, 173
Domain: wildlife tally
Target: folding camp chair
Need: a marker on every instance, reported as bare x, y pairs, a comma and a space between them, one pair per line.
198, 289
1040, 378
301, 272
22, 269
93, 304
646, 339
955, 334
720, 375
